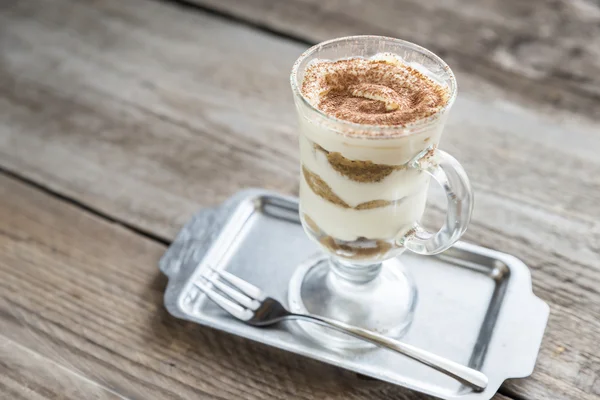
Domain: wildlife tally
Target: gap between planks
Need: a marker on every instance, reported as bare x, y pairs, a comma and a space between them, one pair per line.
228, 17
84, 207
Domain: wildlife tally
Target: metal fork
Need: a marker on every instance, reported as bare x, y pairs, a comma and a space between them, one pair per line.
249, 304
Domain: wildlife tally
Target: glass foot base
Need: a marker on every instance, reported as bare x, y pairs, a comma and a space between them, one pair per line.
381, 298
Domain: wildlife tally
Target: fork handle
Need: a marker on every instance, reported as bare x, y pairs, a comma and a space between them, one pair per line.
467, 376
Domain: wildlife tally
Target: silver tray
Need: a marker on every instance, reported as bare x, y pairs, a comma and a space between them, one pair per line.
475, 305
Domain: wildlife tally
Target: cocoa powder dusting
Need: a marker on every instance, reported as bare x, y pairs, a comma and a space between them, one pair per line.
377, 91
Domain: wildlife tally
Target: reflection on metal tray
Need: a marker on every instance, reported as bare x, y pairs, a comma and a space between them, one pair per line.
475, 305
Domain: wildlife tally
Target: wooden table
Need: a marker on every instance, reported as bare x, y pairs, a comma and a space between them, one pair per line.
120, 119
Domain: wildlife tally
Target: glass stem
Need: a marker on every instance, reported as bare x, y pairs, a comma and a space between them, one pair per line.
354, 273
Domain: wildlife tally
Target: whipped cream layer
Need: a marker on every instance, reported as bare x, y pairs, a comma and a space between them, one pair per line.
395, 150
348, 224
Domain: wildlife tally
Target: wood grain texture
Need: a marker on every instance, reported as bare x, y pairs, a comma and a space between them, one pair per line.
25, 374
145, 112
541, 50
81, 317
165, 110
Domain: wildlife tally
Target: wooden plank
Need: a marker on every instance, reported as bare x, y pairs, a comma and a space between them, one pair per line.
25, 374
145, 114
82, 303
200, 154
543, 51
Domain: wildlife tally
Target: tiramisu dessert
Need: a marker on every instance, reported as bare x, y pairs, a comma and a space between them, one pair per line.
358, 197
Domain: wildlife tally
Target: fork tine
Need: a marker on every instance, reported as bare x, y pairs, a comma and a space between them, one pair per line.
234, 294
231, 307
250, 290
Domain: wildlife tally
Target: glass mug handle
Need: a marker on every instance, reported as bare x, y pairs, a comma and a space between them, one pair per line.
451, 176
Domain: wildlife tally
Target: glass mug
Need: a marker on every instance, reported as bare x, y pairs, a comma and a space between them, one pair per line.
363, 190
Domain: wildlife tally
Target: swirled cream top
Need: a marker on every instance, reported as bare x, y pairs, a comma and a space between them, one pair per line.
381, 90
